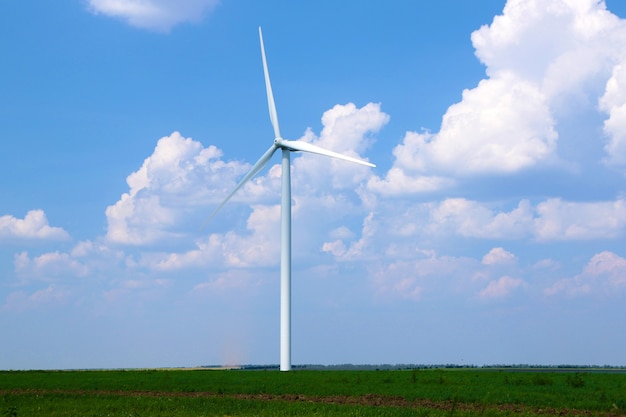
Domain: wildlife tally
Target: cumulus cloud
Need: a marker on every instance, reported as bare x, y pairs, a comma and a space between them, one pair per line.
399, 182
550, 220
501, 287
34, 226
503, 125
182, 179
349, 130
499, 256
542, 59
613, 102
49, 265
474, 219
427, 274
604, 274
180, 176
258, 246
566, 220
537, 38
569, 49
177, 186
83, 260
158, 15
357, 249
398, 231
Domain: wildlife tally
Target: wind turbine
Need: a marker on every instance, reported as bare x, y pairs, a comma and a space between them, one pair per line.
286, 146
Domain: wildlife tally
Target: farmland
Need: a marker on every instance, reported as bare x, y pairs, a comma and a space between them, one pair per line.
411, 392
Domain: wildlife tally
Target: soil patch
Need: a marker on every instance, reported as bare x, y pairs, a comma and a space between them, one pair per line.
371, 400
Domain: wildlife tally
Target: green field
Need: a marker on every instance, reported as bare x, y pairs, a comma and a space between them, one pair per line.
432, 392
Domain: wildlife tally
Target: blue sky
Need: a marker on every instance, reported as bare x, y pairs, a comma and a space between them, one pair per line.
491, 231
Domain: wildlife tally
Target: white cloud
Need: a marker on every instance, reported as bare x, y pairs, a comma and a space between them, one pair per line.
394, 236
613, 102
158, 15
501, 288
179, 177
547, 264
399, 182
398, 280
473, 219
503, 125
256, 247
499, 256
85, 259
532, 36
550, 220
604, 274
34, 226
565, 220
425, 275
543, 59
49, 266
357, 249
349, 130
568, 49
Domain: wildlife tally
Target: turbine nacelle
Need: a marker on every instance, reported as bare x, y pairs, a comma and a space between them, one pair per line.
285, 144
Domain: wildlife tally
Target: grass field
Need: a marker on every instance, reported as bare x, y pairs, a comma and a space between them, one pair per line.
433, 392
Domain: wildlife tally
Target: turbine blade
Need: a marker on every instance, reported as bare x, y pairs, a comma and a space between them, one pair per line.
307, 147
268, 87
260, 164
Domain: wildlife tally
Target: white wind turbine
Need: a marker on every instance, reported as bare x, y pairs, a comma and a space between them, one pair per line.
286, 146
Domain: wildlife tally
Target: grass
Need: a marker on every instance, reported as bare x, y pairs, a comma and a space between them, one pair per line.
302, 392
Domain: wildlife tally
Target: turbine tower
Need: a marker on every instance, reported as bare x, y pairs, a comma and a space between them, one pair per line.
286, 146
